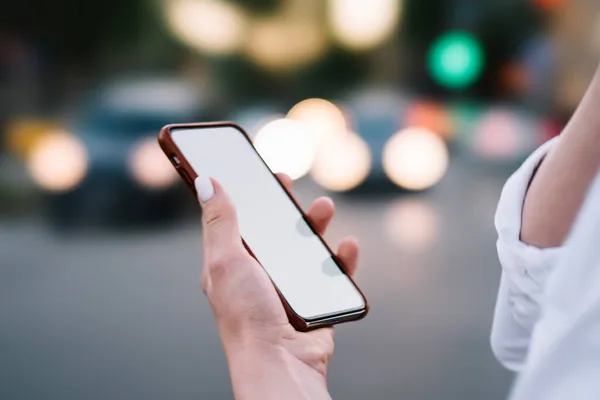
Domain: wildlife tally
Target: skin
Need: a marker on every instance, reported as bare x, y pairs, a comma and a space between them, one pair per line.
267, 357
559, 187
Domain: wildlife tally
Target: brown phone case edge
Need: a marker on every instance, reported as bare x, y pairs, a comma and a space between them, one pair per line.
188, 175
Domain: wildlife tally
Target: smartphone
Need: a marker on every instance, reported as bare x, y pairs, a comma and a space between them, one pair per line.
310, 280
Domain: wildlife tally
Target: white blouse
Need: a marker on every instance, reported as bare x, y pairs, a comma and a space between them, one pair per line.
525, 269
547, 318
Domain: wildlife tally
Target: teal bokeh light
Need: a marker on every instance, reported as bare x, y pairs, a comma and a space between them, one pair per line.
456, 60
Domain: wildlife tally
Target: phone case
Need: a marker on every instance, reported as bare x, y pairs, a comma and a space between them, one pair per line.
189, 175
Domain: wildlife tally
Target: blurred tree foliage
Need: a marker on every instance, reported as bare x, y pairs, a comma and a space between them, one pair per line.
258, 6
75, 30
88, 33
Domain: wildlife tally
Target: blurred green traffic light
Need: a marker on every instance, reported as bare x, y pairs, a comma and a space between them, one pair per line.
456, 60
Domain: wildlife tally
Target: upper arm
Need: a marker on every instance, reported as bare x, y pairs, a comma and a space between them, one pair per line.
524, 271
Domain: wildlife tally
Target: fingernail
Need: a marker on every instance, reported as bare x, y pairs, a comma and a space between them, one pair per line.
204, 188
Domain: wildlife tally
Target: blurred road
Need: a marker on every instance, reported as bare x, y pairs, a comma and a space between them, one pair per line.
121, 316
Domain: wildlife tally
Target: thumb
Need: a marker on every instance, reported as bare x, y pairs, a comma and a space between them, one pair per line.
219, 219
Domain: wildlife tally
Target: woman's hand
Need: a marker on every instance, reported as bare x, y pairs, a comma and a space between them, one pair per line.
267, 357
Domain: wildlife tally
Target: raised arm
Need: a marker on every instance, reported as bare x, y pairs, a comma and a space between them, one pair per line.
535, 213
562, 180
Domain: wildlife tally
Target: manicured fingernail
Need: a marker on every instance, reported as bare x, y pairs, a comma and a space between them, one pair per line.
204, 188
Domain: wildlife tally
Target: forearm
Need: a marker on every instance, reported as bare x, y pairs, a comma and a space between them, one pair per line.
265, 372
562, 180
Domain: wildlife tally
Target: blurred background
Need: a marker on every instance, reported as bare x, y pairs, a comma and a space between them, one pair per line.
410, 114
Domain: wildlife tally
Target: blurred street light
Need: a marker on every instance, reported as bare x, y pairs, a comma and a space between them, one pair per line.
343, 163
362, 25
456, 60
149, 166
22, 134
285, 43
429, 115
548, 4
498, 135
514, 78
286, 147
58, 162
324, 120
415, 158
210, 26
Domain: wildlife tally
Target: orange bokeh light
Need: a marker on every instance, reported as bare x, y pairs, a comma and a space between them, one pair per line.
514, 78
431, 116
548, 4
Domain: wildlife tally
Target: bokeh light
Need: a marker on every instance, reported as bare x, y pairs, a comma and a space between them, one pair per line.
497, 136
286, 147
415, 158
429, 115
323, 119
210, 26
514, 77
360, 24
58, 162
149, 166
548, 5
411, 224
285, 43
343, 163
456, 59
22, 135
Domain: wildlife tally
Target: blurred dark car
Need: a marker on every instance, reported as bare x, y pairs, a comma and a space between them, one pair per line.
406, 139
411, 140
391, 142
106, 167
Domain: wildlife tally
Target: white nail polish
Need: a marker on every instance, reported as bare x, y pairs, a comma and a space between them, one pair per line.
204, 188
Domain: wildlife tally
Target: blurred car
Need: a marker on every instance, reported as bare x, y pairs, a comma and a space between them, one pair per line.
406, 139
105, 167
375, 138
356, 143
411, 140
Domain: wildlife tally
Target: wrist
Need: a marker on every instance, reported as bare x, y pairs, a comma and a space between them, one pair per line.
266, 370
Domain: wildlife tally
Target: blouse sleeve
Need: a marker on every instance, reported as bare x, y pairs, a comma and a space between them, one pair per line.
524, 270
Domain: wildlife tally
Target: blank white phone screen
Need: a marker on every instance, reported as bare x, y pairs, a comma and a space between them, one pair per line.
296, 260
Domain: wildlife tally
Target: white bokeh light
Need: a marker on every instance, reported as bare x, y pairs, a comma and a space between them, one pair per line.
343, 163
285, 43
324, 120
361, 24
415, 158
210, 26
58, 162
286, 147
150, 167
